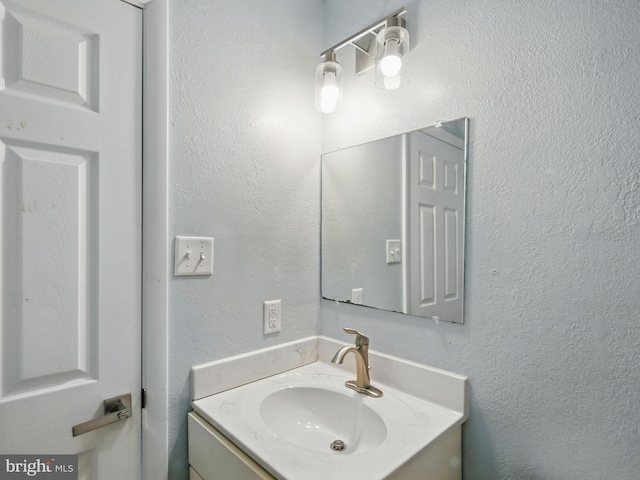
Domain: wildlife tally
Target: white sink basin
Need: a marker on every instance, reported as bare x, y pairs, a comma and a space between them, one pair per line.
315, 416
288, 422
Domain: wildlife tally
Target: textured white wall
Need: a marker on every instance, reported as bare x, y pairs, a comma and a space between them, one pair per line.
551, 340
244, 168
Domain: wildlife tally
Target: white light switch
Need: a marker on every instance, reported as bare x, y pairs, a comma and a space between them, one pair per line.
394, 254
194, 256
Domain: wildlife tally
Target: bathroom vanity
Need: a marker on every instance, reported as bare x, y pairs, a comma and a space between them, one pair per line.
286, 413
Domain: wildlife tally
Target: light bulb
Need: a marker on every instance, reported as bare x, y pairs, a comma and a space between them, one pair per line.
329, 93
391, 63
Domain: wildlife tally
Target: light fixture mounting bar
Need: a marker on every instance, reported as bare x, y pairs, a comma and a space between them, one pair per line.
387, 38
371, 29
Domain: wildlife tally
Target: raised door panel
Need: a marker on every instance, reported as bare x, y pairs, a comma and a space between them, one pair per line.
427, 262
47, 58
50, 247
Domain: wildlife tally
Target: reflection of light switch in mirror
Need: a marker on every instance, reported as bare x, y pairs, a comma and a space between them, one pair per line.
194, 256
393, 251
357, 296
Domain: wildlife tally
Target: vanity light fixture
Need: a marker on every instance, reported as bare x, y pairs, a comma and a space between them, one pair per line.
382, 45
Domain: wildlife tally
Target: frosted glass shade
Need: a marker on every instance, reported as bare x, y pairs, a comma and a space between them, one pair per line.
328, 87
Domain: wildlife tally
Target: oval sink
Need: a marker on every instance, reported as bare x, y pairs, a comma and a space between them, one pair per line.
313, 418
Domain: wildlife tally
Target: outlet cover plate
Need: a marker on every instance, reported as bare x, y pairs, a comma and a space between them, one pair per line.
357, 296
193, 256
271, 316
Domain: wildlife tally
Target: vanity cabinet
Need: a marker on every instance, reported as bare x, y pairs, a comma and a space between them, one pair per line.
212, 456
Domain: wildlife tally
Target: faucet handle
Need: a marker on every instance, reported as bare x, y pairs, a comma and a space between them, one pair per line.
361, 339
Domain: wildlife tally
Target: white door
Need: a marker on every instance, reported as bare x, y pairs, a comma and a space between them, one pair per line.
436, 227
70, 218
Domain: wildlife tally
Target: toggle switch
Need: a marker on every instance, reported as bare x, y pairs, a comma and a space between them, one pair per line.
193, 256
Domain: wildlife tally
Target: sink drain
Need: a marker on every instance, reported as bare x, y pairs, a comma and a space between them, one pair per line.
338, 445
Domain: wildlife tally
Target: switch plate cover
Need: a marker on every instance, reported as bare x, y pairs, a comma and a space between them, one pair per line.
193, 256
394, 251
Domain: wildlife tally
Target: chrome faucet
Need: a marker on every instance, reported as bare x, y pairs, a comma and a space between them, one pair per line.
360, 350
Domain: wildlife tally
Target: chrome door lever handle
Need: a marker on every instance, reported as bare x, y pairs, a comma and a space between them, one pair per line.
115, 409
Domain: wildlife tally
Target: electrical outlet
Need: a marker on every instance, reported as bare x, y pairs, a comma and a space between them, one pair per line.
357, 296
271, 316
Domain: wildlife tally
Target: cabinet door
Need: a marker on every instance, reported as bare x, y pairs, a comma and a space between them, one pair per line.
215, 457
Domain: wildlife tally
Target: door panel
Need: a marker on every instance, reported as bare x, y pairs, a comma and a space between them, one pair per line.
52, 223
70, 205
48, 58
436, 203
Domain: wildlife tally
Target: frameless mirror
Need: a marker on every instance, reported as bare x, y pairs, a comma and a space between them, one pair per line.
393, 218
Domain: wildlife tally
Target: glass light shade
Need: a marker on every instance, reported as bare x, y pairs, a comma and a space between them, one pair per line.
328, 87
391, 45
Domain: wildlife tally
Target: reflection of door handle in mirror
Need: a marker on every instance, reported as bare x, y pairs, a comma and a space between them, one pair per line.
115, 409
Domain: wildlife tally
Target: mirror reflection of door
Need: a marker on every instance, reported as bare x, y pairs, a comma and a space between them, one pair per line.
436, 224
